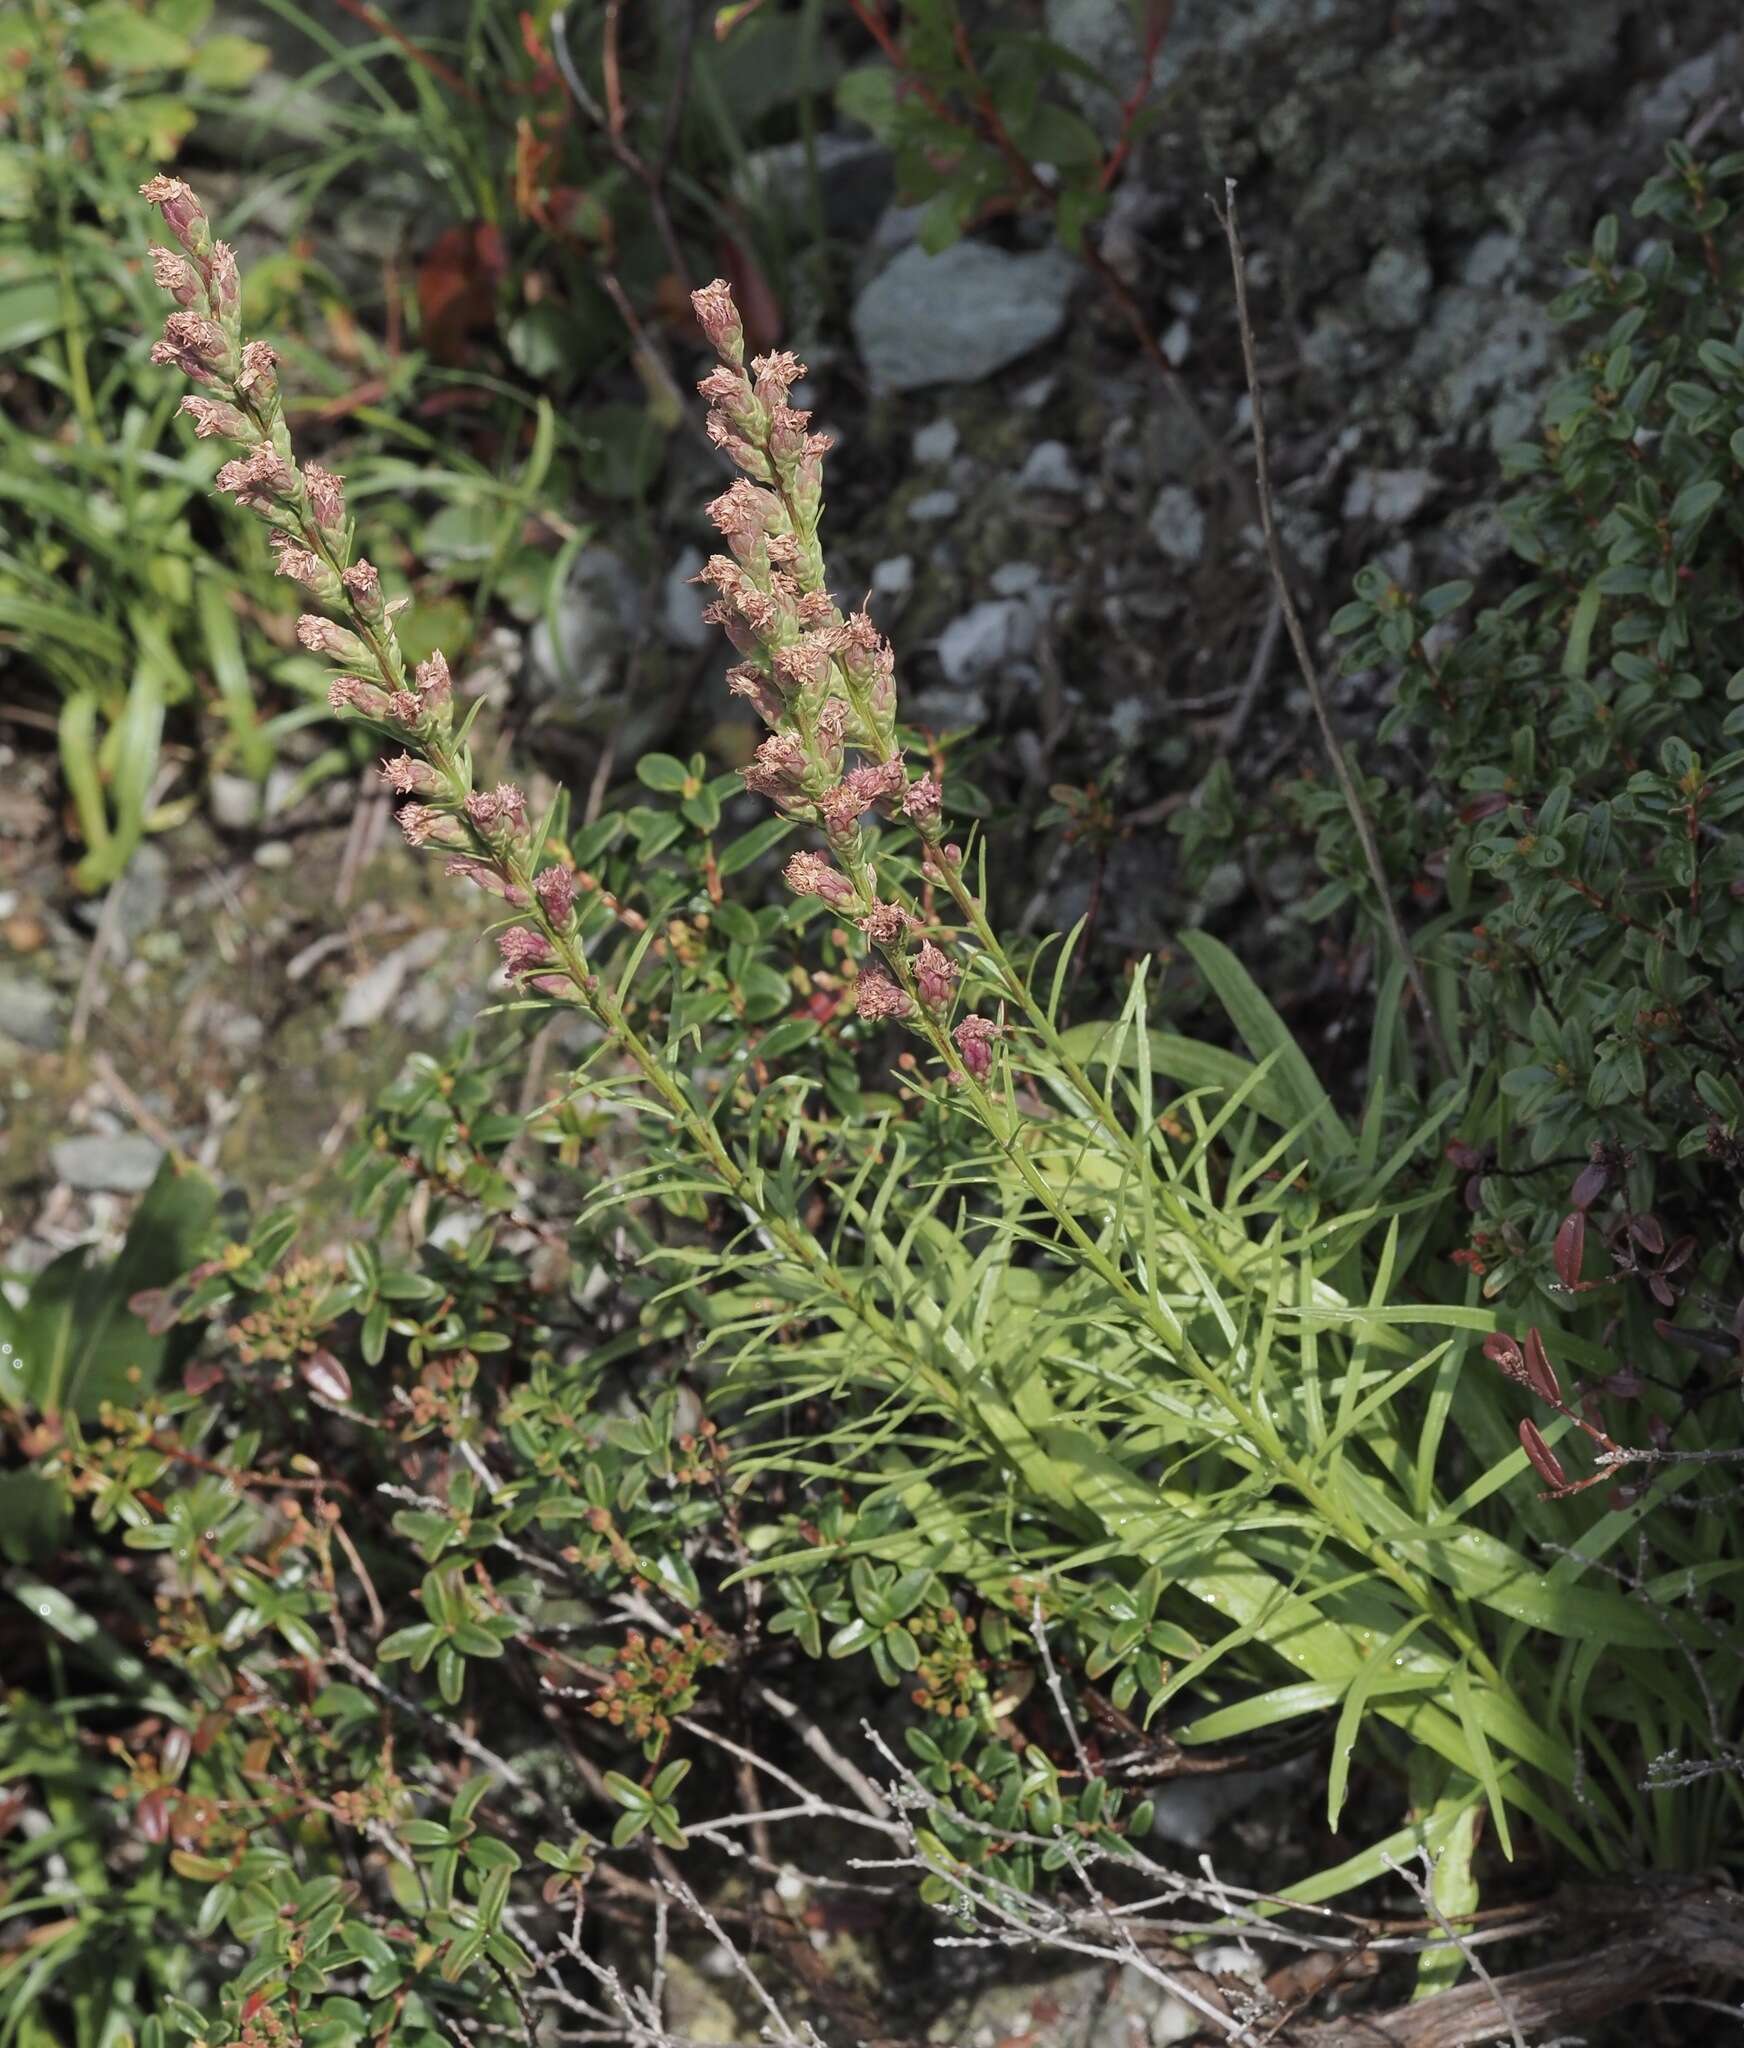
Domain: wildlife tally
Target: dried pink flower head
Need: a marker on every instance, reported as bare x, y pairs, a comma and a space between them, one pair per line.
840, 810
260, 481
555, 985
975, 1036
804, 664
733, 444
177, 276
935, 976
322, 636
258, 377
406, 775
809, 874
778, 769
730, 389
555, 889
746, 680
876, 782
426, 827
744, 514
522, 948
876, 997
492, 880
198, 348
787, 434
181, 212
352, 693
922, 800
405, 709
776, 374
435, 686
326, 495
888, 926
363, 587
297, 562
214, 420
723, 615
718, 318
816, 608
503, 809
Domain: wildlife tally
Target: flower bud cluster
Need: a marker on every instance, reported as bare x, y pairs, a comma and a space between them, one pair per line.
823, 682
486, 831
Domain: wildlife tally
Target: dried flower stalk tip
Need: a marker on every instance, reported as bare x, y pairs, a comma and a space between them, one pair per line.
718, 318
555, 889
974, 1038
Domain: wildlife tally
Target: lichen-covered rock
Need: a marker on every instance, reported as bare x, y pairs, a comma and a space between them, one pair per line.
959, 316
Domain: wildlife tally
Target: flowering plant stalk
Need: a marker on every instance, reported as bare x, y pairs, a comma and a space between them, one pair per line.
1141, 1348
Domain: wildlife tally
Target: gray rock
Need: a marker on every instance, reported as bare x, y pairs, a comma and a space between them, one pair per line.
595, 614
1396, 289
30, 1011
1177, 524
935, 442
1049, 467
1014, 579
1101, 34
1485, 353
934, 505
895, 577
682, 602
123, 1165
1389, 496
234, 801
987, 635
369, 997
855, 179
958, 317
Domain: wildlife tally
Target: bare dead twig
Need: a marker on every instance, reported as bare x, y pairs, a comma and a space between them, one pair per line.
1365, 831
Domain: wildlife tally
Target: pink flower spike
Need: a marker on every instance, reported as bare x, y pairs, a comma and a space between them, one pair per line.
809, 874
974, 1037
177, 276
181, 212
298, 563
555, 889
258, 378
426, 827
322, 636
435, 687
523, 948
488, 878
558, 985
405, 775
718, 318
935, 975
502, 809
213, 420
776, 375
363, 587
326, 495
352, 693
224, 282
922, 801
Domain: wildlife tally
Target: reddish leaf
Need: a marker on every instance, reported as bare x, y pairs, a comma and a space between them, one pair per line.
1589, 1184
1540, 1373
1503, 1353
1624, 1385
1466, 1157
457, 286
176, 1747
1544, 1460
152, 1817
156, 1307
1680, 1255
1647, 1233
201, 1375
325, 1377
1662, 1290
1571, 1248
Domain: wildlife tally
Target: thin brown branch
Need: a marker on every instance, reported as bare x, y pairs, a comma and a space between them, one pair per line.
1365, 831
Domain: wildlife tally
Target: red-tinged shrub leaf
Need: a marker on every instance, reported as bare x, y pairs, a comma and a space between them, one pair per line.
1680, 1255
1540, 1373
1662, 1291
152, 1818
1589, 1184
156, 1308
325, 1377
1466, 1157
1571, 1248
201, 1375
1544, 1460
1647, 1233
